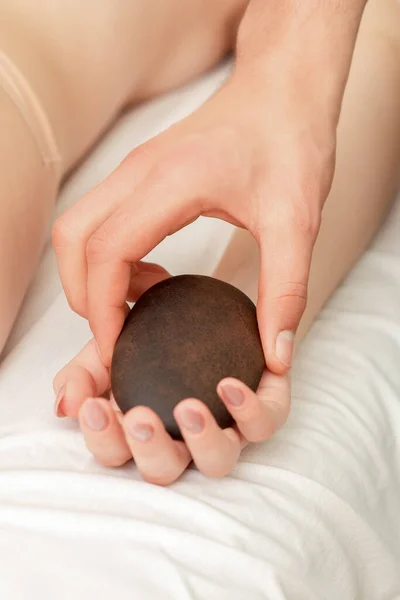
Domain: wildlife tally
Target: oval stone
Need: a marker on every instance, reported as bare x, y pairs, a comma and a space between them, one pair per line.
180, 339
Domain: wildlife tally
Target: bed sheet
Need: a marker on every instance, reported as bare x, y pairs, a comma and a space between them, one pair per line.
313, 514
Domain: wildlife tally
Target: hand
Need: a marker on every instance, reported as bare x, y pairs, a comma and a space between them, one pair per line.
251, 156
114, 439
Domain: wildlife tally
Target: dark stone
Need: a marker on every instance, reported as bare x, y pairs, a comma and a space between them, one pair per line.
180, 339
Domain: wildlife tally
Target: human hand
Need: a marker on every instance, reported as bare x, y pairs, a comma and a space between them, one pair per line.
250, 156
114, 438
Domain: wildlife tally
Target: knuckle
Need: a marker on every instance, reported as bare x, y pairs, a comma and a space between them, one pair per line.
307, 220
58, 380
159, 479
135, 155
214, 472
299, 212
291, 289
260, 434
77, 305
292, 218
98, 246
288, 300
139, 158
193, 160
310, 193
163, 170
113, 461
171, 171
63, 233
216, 469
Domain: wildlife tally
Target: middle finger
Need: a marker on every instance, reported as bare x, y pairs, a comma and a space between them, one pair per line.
159, 458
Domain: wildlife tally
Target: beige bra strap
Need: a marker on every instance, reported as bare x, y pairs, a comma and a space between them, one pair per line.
21, 94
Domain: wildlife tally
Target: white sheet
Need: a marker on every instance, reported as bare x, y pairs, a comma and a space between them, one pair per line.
314, 514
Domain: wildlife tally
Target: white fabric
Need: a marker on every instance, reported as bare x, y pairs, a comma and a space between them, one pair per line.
314, 514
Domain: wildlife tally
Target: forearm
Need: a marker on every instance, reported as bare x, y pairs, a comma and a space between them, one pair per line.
303, 46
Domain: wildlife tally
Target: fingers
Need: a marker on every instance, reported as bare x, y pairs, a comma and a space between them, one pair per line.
215, 451
73, 229
81, 378
128, 235
85, 375
258, 416
285, 266
159, 458
114, 439
103, 433
98, 241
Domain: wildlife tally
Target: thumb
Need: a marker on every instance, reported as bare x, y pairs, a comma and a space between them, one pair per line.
282, 295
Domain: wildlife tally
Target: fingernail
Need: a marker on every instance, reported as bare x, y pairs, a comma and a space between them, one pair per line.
191, 420
284, 347
141, 432
58, 408
232, 394
94, 415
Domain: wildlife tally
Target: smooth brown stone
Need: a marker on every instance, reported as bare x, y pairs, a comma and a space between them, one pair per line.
180, 339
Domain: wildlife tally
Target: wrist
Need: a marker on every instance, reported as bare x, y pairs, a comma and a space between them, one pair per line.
303, 48
268, 23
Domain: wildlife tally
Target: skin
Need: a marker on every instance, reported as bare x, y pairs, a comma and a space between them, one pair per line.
84, 77
187, 158
229, 162
272, 180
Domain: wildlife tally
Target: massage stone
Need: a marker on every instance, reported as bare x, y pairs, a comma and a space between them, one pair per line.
179, 340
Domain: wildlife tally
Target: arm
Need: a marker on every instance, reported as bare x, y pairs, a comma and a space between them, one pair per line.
310, 42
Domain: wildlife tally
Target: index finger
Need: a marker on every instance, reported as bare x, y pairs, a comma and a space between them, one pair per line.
139, 225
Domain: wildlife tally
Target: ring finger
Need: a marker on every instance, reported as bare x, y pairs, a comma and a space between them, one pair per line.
215, 451
258, 415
